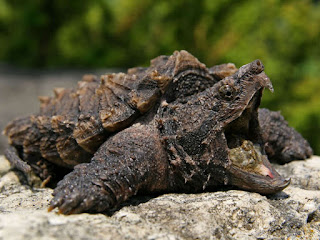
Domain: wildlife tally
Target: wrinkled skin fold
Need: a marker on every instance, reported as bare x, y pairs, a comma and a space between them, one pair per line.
176, 126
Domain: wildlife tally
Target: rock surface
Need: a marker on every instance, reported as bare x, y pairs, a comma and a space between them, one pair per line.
291, 214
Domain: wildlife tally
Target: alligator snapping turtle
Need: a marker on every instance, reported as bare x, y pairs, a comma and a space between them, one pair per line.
176, 126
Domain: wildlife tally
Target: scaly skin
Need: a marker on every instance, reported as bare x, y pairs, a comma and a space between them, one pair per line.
283, 144
175, 151
131, 161
176, 126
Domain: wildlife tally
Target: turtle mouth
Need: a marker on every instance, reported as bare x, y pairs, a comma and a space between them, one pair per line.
250, 168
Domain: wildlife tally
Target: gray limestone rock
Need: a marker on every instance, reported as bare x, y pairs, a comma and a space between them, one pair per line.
291, 214
303, 174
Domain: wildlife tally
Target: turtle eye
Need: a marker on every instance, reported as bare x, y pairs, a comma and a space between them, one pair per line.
226, 91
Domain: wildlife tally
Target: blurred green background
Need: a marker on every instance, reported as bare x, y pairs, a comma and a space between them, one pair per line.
284, 34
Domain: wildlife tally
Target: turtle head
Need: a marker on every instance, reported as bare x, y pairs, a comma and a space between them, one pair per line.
239, 97
210, 125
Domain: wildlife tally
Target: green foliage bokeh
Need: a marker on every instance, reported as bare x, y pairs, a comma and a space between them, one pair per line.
285, 35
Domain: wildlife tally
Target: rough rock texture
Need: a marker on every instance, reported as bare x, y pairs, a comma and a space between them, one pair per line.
291, 214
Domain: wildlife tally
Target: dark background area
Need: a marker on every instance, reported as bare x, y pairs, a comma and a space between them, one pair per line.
42, 40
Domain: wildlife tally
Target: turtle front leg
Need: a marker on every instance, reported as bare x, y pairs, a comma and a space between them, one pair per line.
283, 144
131, 161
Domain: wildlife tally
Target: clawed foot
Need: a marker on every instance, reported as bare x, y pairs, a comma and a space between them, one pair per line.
77, 193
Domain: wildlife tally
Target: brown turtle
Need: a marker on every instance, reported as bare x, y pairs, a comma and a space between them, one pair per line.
176, 126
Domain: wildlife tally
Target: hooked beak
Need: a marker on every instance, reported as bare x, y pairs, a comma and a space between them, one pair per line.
268, 181
249, 166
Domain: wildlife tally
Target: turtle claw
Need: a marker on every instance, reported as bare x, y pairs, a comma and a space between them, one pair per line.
77, 193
